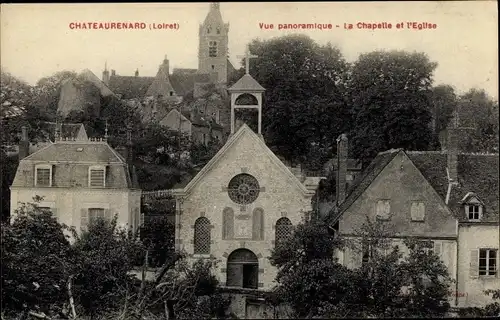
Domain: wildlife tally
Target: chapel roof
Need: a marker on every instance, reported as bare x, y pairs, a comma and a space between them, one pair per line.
247, 84
477, 173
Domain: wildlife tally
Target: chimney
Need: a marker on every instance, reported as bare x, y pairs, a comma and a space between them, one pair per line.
113, 73
452, 147
24, 144
129, 145
342, 154
137, 72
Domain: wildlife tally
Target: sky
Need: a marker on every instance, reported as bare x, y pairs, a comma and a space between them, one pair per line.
36, 40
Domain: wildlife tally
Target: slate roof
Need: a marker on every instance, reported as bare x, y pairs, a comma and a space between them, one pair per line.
161, 85
71, 160
96, 152
477, 173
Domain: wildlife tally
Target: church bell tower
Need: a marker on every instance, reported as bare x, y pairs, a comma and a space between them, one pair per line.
246, 93
213, 46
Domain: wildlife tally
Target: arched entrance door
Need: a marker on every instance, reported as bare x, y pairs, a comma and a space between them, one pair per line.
242, 269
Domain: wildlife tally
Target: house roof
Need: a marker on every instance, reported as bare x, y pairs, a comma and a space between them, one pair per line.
77, 151
161, 85
71, 160
477, 173
244, 130
91, 77
136, 87
363, 181
247, 84
130, 87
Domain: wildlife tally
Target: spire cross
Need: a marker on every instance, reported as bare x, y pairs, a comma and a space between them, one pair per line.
247, 58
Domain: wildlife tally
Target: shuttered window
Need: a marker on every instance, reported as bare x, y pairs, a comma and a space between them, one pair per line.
417, 211
212, 49
88, 214
44, 176
383, 209
97, 177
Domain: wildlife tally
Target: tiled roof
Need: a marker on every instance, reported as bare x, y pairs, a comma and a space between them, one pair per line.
137, 87
477, 173
246, 83
182, 82
161, 85
130, 87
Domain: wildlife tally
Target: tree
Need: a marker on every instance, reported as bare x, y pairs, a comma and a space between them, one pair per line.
36, 262
105, 255
48, 90
390, 96
397, 284
309, 279
479, 112
305, 93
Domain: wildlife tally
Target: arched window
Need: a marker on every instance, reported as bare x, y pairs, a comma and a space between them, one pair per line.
258, 224
228, 223
202, 237
283, 231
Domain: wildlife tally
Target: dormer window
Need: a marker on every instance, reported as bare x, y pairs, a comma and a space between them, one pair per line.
474, 211
97, 176
473, 207
43, 175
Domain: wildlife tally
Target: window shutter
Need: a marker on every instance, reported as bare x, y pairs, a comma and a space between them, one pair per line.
84, 218
54, 213
108, 215
474, 263
52, 174
438, 248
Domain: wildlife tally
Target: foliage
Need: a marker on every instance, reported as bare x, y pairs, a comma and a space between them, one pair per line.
157, 236
105, 256
36, 261
479, 112
390, 96
307, 273
305, 93
8, 169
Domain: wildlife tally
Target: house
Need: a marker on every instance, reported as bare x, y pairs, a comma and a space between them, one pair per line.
447, 197
79, 179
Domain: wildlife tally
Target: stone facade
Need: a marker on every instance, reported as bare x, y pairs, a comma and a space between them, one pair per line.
281, 195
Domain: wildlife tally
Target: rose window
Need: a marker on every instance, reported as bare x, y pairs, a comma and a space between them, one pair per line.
243, 189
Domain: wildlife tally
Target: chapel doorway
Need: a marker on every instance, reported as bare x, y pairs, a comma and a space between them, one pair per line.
242, 269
